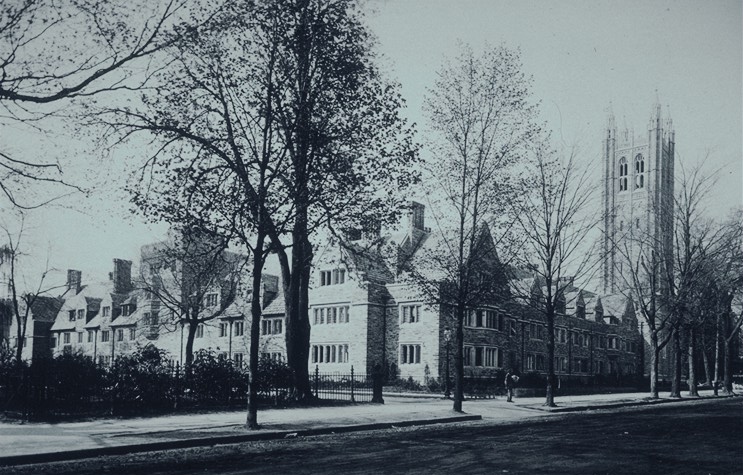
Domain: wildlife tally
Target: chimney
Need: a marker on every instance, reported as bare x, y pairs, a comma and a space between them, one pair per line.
122, 276
416, 216
74, 280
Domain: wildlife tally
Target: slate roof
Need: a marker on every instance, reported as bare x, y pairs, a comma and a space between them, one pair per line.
95, 322
131, 319
614, 305
276, 306
521, 288
63, 323
45, 308
238, 308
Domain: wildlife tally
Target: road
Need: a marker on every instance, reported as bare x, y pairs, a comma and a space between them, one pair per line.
697, 437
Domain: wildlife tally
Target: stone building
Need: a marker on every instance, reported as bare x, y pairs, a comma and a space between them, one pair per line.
638, 207
112, 318
364, 315
638, 199
39, 320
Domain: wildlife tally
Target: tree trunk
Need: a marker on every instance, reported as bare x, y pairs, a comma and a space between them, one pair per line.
550, 398
298, 325
692, 381
255, 335
459, 362
193, 325
22, 322
302, 344
676, 378
727, 383
298, 338
705, 360
654, 356
717, 350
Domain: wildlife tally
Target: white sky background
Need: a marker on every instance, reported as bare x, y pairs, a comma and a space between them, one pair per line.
582, 56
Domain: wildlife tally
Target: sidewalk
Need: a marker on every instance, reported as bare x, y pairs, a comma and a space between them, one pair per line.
41, 442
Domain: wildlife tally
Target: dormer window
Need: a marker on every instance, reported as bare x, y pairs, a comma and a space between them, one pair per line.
332, 277
410, 313
80, 314
126, 310
211, 299
107, 311
71, 315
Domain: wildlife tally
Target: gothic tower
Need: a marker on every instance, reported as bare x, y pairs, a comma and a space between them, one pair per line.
637, 196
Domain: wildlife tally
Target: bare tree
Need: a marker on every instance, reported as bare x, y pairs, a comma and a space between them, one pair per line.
52, 52
554, 219
696, 242
726, 285
641, 269
481, 122
287, 114
194, 277
23, 296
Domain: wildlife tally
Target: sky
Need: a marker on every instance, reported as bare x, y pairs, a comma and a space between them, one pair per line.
584, 57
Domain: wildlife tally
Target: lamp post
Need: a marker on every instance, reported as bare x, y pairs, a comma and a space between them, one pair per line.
447, 339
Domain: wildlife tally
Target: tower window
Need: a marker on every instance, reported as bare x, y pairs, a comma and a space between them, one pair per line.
623, 174
639, 171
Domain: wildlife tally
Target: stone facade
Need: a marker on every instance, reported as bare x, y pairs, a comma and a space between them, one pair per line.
113, 318
638, 205
392, 324
637, 193
362, 315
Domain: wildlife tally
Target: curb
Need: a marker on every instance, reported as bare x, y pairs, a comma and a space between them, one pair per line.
218, 440
647, 402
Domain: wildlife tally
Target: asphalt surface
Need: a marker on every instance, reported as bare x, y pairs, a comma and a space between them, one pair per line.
694, 437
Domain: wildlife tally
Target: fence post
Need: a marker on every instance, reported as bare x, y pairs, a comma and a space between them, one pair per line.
352, 381
317, 379
177, 384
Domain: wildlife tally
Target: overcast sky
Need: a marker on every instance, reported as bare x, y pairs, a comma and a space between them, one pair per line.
583, 56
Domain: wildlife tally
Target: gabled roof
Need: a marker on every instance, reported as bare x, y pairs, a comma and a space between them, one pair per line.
94, 322
614, 305
277, 305
418, 248
238, 308
62, 323
45, 308
93, 304
128, 320
521, 288
131, 299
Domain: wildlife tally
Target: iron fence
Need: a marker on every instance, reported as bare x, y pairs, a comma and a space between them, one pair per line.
41, 393
353, 386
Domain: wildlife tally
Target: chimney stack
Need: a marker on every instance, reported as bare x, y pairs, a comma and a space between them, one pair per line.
74, 280
122, 276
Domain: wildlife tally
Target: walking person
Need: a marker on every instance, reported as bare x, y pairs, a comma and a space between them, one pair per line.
510, 381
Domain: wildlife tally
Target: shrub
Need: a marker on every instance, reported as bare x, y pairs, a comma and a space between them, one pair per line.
273, 376
407, 384
8, 366
215, 378
143, 378
434, 385
70, 376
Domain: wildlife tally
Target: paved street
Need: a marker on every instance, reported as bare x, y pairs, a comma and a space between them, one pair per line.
689, 437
